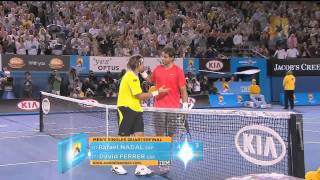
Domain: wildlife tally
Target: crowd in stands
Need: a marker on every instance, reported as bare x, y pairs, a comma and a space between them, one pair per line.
194, 29
203, 29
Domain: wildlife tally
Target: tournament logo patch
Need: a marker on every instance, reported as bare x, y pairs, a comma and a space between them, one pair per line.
310, 97
221, 99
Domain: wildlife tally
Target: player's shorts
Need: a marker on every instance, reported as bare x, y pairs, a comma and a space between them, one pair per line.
129, 121
166, 124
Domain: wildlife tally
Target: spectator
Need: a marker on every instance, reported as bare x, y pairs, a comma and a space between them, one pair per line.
93, 80
305, 53
196, 89
27, 85
20, 46
102, 87
88, 88
56, 82
292, 41
2, 81
71, 77
33, 49
238, 40
280, 53
292, 52
76, 89
9, 46
213, 89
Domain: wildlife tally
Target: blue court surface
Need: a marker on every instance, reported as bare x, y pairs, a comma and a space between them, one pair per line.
28, 154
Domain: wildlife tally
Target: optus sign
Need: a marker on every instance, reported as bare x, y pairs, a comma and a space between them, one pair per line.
260, 145
28, 105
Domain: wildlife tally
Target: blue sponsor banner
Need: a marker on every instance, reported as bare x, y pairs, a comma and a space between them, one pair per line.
191, 65
301, 98
80, 63
234, 87
228, 100
72, 151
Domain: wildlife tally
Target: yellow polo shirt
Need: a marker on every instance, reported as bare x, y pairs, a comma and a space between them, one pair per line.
254, 89
129, 87
289, 82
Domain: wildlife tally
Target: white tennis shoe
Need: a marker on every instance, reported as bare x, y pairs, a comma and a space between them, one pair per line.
143, 171
119, 170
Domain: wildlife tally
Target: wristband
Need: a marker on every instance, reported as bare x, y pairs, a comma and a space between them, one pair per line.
144, 75
155, 93
185, 106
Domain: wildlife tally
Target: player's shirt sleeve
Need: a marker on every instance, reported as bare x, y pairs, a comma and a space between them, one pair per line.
134, 85
153, 75
181, 78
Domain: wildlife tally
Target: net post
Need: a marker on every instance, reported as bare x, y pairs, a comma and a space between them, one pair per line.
296, 149
40, 113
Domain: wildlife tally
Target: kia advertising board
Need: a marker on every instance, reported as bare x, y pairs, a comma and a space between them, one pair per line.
215, 64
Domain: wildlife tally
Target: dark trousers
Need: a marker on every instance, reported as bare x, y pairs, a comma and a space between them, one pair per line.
288, 98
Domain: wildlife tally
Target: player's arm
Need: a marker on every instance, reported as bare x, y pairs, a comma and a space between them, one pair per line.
134, 85
284, 81
183, 89
144, 96
184, 94
146, 77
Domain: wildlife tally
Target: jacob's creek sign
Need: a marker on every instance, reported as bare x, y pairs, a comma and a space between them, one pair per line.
300, 67
35, 63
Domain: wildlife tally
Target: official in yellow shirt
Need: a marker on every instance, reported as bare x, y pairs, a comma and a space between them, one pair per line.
289, 86
129, 109
255, 96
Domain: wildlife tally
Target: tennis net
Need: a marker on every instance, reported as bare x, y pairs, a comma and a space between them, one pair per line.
235, 142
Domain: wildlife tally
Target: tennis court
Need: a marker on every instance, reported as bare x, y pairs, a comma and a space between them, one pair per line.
28, 154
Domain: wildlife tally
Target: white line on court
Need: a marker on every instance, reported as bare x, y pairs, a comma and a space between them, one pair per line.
3, 125
17, 137
312, 131
46, 123
25, 163
312, 142
19, 131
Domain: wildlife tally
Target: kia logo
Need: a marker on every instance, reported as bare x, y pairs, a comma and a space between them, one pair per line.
46, 106
88, 103
28, 105
260, 145
214, 65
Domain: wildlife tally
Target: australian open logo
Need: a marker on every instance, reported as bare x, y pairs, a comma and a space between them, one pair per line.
239, 99
260, 145
310, 98
79, 61
221, 100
